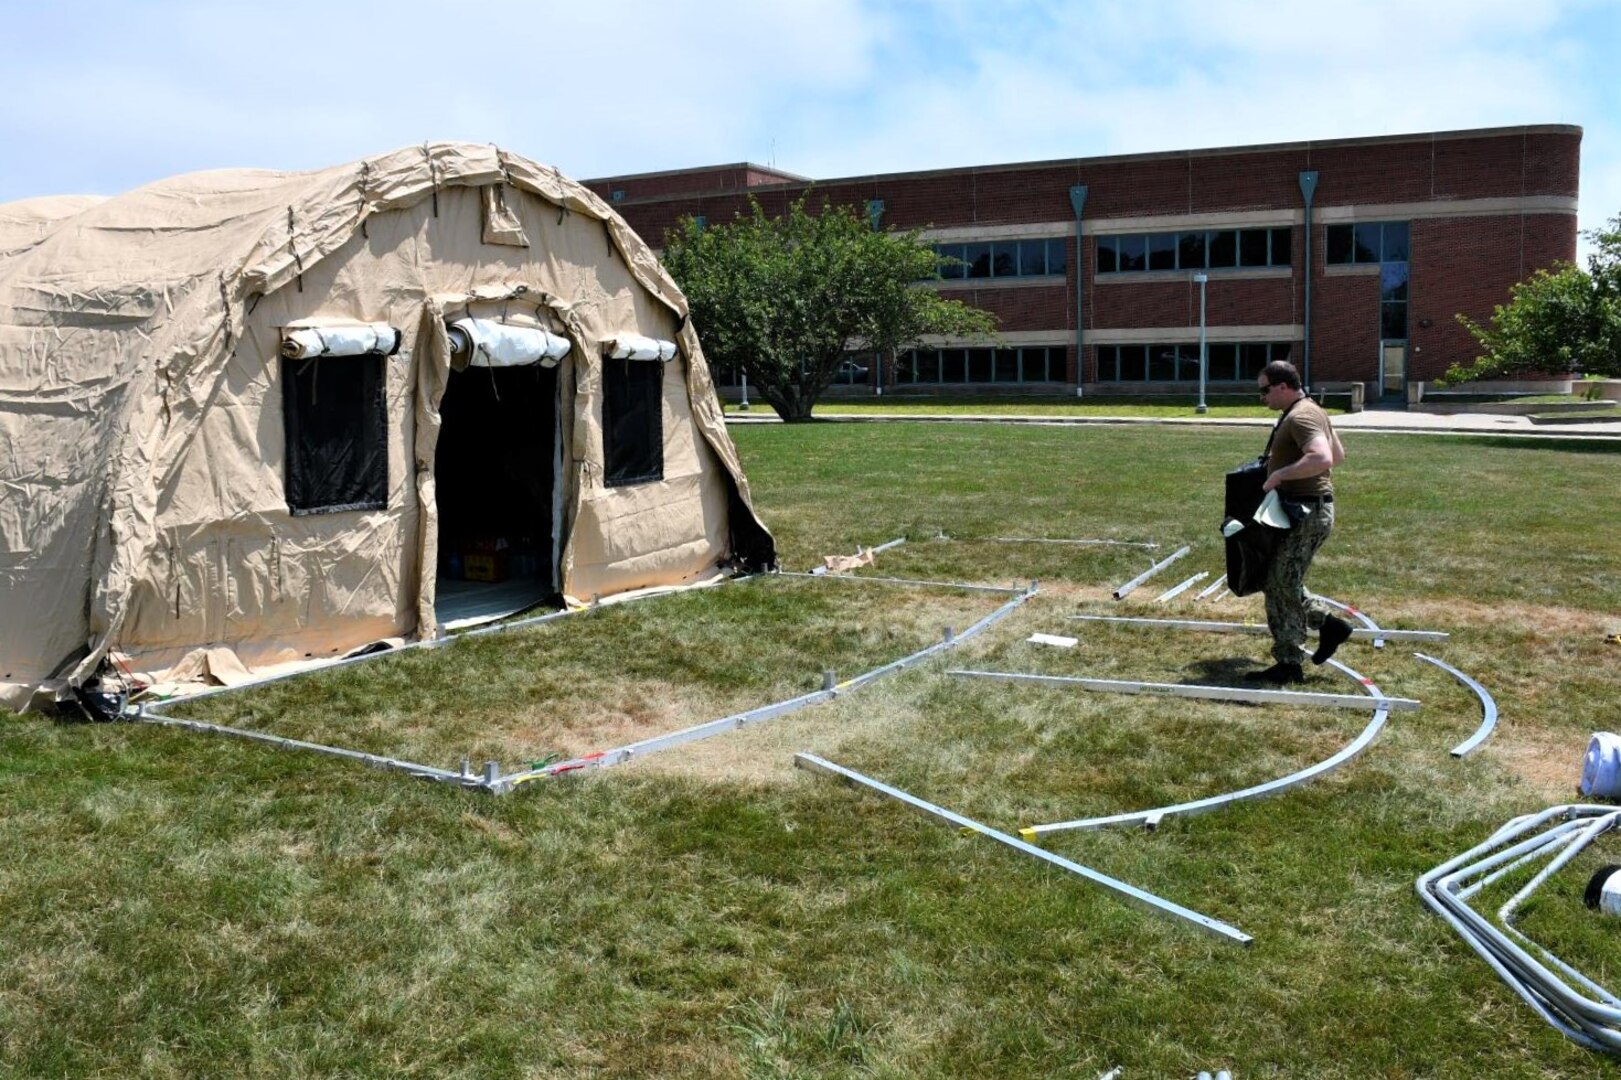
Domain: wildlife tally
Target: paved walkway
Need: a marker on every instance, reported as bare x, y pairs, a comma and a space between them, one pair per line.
1371, 420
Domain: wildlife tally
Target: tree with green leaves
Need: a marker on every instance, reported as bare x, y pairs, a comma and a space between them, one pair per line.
1561, 320
784, 299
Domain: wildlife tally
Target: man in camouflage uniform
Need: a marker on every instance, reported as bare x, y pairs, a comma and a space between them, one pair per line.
1303, 449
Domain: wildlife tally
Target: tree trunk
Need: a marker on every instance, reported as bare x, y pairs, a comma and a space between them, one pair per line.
795, 406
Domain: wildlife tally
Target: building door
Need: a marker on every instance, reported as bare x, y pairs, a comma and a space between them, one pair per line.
1393, 372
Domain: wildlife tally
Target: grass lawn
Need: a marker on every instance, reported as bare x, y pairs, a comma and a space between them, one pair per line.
1218, 405
176, 905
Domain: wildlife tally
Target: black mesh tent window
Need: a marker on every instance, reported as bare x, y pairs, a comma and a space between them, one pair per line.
632, 421
336, 418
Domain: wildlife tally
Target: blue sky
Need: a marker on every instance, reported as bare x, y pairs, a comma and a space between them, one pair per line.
102, 97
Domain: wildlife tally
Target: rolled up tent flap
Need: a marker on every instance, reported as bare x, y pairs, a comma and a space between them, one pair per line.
491, 344
636, 347
360, 339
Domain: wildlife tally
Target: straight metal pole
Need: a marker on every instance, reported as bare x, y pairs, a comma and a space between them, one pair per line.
1159, 905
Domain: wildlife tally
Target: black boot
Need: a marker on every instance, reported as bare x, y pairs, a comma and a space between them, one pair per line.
1283, 673
1335, 632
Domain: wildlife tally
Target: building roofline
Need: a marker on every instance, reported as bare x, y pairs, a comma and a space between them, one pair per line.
749, 165
1082, 162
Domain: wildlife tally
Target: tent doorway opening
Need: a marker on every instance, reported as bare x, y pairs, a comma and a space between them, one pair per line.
497, 479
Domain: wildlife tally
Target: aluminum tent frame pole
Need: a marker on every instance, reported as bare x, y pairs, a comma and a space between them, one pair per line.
1151, 546
870, 580
1587, 1021
1151, 818
410, 768
1126, 892
1219, 627
1204, 693
1356, 613
1177, 590
1488, 707
1120, 593
159, 708
619, 755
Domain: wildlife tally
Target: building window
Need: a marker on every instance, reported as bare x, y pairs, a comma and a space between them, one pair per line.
335, 416
1393, 300
1205, 249
1001, 259
632, 421
1227, 361
1387, 244
979, 366
1367, 242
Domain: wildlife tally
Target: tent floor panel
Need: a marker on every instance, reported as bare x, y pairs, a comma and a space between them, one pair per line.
461, 604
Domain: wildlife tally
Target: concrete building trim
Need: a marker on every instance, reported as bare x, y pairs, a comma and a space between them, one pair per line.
1217, 274
1040, 230
1183, 335
1042, 281
1012, 339
1326, 214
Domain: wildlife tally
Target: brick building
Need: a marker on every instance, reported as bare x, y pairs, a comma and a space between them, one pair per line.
1093, 264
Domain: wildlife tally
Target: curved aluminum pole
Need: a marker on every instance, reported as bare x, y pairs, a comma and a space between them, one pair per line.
1488, 707
1152, 818
603, 759
1357, 614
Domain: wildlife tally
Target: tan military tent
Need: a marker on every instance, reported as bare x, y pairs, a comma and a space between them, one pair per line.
253, 418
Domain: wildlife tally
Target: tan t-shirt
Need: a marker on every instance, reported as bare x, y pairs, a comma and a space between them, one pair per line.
1304, 421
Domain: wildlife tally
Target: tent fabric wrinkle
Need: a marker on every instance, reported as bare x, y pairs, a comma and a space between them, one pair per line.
145, 431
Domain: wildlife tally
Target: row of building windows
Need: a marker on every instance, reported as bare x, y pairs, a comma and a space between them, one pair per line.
1002, 259
1206, 249
1033, 364
1367, 242
1210, 249
1226, 361
979, 365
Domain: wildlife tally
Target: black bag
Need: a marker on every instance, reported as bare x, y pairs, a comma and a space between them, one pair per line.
1250, 548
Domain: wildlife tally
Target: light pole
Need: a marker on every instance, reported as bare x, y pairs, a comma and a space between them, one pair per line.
743, 406
1204, 355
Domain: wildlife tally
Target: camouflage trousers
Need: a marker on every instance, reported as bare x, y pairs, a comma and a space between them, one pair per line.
1289, 614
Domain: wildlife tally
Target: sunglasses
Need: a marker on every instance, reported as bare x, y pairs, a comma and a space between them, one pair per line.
1266, 388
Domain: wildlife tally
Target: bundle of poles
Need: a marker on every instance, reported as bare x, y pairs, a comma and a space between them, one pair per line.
1573, 1003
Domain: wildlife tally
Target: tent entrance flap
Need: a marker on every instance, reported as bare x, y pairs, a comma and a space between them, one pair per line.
497, 475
